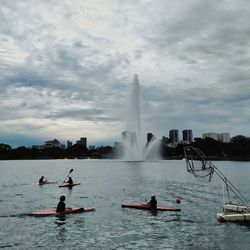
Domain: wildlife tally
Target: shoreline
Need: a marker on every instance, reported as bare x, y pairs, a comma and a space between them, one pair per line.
236, 159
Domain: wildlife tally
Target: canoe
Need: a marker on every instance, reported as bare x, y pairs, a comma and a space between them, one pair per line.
69, 185
235, 217
48, 182
67, 211
236, 208
147, 207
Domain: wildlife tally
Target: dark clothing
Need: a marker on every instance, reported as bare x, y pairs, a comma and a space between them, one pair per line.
70, 181
153, 203
41, 181
60, 207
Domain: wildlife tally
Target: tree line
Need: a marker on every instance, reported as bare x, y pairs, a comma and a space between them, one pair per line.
76, 151
237, 149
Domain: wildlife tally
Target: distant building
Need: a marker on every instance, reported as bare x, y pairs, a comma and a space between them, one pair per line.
82, 141
129, 137
212, 135
53, 144
91, 147
165, 140
149, 137
37, 147
69, 144
173, 135
187, 135
224, 137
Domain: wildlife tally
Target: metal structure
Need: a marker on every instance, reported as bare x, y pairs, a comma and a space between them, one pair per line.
200, 166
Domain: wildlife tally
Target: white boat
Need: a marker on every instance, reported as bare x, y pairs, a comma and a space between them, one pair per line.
236, 208
235, 217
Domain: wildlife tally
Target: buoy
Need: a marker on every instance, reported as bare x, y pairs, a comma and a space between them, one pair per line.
178, 200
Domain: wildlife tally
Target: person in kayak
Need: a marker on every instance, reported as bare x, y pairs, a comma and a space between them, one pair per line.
61, 205
153, 202
70, 181
41, 181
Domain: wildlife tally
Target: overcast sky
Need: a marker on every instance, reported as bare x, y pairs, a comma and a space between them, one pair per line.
66, 68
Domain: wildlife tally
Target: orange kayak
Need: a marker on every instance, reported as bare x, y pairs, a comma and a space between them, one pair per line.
147, 207
67, 211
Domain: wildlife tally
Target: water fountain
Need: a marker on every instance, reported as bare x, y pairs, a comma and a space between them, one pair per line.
134, 148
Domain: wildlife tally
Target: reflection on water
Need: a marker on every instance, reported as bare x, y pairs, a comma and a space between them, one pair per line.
105, 186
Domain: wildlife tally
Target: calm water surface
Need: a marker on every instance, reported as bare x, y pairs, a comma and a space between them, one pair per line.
105, 185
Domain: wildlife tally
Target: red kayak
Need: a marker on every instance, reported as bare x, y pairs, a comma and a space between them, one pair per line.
147, 207
67, 211
48, 182
69, 185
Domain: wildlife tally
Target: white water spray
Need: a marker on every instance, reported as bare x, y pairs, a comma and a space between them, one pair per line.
134, 148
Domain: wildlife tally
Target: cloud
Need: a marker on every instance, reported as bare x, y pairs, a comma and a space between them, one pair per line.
66, 67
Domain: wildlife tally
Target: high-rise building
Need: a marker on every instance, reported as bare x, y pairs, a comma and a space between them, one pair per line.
82, 141
69, 144
174, 135
187, 135
223, 137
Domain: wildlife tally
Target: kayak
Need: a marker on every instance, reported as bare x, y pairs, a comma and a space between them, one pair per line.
69, 185
67, 211
48, 182
147, 207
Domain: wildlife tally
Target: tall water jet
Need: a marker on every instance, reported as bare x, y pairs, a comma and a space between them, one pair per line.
133, 147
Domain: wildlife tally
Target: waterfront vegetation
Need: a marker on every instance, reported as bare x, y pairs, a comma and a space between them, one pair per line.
237, 149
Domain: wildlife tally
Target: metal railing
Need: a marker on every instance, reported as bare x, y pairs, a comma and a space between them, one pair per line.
207, 168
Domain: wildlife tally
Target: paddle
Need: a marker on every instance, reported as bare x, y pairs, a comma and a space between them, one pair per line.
71, 170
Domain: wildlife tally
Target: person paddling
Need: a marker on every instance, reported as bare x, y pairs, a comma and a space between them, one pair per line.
153, 202
70, 181
61, 205
41, 181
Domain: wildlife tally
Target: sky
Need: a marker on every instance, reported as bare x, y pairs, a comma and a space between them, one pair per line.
66, 68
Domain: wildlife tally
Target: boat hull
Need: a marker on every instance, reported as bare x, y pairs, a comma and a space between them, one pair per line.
236, 217
48, 182
69, 185
67, 211
237, 208
147, 207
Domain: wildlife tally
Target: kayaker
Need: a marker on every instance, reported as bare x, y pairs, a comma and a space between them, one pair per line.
61, 205
153, 202
70, 181
41, 181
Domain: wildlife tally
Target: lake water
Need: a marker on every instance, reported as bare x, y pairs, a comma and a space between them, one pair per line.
105, 185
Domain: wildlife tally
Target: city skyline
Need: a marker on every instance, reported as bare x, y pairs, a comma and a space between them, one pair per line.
182, 137
66, 68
